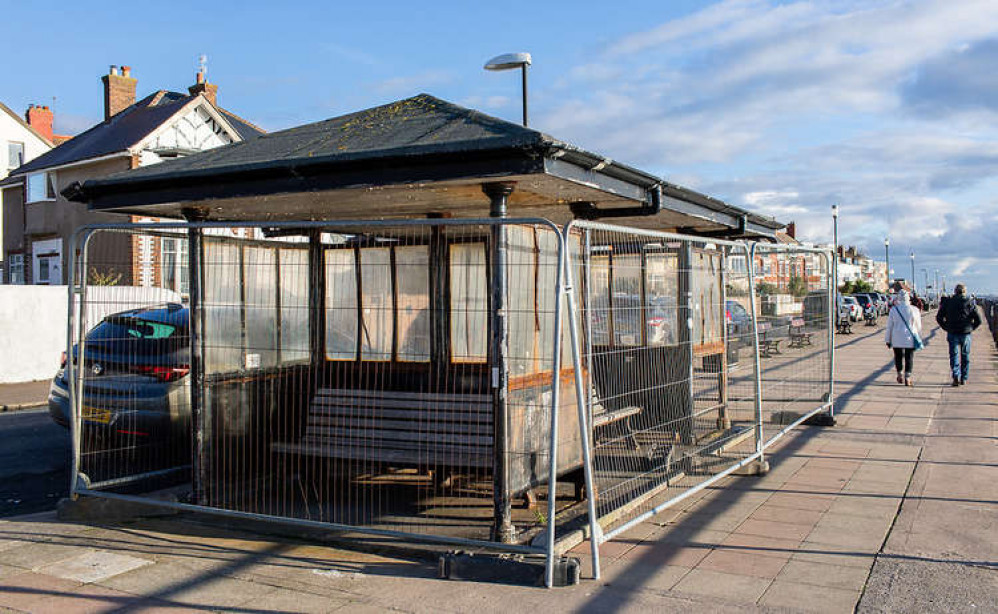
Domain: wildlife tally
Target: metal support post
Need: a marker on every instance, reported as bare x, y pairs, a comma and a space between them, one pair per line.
200, 419
503, 530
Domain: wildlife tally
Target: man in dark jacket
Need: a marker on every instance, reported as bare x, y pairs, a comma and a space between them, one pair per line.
958, 317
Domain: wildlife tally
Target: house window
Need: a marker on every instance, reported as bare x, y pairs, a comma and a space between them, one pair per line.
16, 268
40, 187
15, 155
175, 265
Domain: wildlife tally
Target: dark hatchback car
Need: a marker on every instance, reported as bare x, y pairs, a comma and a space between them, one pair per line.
135, 376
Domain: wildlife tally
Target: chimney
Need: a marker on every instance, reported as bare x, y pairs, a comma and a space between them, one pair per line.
792, 230
119, 91
210, 90
40, 118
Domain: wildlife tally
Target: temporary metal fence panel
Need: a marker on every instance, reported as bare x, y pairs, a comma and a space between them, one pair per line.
399, 378
793, 300
411, 379
668, 365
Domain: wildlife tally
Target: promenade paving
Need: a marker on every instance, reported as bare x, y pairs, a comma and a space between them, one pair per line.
893, 510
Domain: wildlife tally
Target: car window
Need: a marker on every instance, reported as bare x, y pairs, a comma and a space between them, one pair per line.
135, 335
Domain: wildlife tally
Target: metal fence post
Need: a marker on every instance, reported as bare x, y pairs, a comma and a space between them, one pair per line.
750, 254
555, 399
582, 403
834, 308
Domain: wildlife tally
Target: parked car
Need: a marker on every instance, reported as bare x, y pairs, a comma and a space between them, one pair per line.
867, 302
815, 307
135, 376
855, 311
739, 325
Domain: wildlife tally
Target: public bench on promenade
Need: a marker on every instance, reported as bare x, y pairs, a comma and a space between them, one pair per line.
420, 429
798, 336
768, 346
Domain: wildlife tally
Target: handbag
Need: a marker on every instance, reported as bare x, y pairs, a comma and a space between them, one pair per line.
917, 340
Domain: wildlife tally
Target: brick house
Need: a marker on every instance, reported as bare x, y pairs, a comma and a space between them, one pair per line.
21, 140
39, 221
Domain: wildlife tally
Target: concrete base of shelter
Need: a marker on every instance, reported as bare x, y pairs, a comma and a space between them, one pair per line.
99, 510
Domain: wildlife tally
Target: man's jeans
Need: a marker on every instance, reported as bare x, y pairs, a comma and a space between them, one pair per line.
959, 355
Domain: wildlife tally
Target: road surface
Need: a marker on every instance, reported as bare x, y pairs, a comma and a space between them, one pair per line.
34, 462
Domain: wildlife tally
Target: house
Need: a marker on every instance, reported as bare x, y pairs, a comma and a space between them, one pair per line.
39, 222
21, 140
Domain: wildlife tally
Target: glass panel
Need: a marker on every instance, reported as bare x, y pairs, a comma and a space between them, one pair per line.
662, 288
469, 302
294, 305
521, 283
627, 306
706, 286
223, 324
412, 270
341, 305
260, 283
169, 268
547, 279
599, 295
376, 282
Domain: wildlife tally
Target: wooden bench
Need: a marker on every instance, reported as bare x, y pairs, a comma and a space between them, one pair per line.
604, 417
421, 429
844, 326
767, 345
798, 336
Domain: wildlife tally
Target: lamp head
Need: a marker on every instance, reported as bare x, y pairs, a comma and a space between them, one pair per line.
507, 61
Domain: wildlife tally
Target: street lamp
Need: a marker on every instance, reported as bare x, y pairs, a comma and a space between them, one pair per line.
887, 254
936, 285
914, 286
508, 61
925, 276
835, 243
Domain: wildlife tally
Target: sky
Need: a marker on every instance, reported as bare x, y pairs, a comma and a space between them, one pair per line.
887, 109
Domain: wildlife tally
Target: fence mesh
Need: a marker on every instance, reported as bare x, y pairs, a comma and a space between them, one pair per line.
403, 377
392, 377
667, 360
792, 301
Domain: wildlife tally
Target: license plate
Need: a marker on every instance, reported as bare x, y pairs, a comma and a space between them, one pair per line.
92, 414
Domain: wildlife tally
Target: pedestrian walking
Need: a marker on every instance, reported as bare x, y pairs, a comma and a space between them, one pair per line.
959, 318
904, 329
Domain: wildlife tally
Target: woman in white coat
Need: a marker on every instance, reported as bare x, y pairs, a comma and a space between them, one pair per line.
903, 323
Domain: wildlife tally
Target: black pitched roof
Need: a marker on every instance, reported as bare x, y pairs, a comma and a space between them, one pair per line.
124, 130
414, 126
417, 140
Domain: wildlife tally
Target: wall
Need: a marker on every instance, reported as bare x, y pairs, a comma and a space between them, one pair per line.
33, 323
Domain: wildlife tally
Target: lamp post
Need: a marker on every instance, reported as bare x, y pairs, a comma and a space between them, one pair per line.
914, 286
925, 286
936, 286
887, 256
835, 233
508, 61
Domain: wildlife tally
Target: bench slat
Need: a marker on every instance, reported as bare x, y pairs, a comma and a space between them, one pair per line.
422, 426
465, 406
402, 395
408, 435
349, 451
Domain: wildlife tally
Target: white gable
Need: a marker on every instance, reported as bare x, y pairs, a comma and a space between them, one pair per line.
194, 129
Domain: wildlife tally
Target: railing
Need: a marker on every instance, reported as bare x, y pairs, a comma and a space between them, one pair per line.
414, 379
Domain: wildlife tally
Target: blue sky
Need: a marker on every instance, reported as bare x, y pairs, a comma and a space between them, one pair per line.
887, 108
